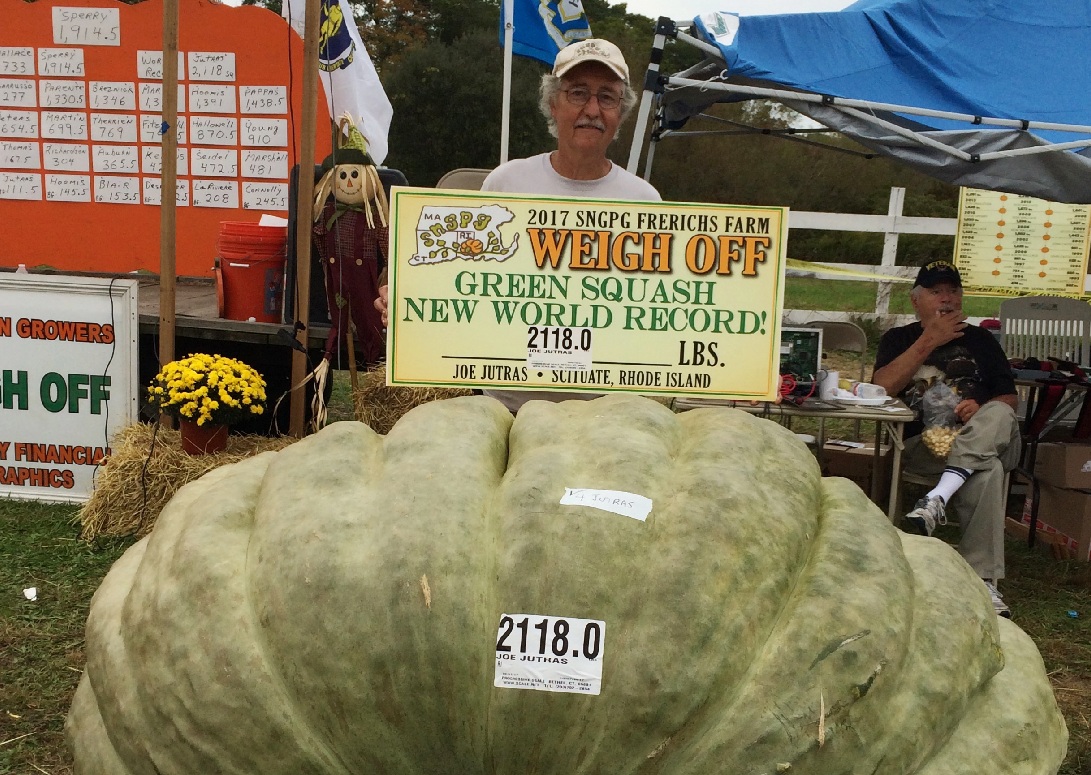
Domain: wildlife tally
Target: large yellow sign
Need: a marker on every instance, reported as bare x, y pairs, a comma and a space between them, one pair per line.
1021, 243
543, 293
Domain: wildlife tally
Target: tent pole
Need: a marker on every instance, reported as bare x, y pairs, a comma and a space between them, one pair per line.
652, 145
651, 79
168, 186
505, 111
304, 207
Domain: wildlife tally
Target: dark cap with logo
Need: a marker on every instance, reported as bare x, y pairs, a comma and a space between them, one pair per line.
938, 272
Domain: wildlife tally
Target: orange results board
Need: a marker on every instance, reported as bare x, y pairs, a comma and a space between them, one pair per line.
81, 127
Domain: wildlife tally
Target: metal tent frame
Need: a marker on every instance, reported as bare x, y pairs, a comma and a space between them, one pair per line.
993, 153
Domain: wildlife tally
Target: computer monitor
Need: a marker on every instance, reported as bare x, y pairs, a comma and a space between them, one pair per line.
801, 353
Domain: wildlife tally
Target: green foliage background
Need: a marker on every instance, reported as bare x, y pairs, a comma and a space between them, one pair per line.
441, 64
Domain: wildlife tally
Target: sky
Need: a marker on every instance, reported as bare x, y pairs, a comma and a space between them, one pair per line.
687, 9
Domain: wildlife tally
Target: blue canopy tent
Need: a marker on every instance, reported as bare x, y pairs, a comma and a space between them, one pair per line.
992, 94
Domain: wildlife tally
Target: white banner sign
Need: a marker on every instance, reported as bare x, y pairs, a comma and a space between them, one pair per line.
68, 380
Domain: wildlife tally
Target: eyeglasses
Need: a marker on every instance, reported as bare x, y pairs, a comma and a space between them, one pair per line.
578, 95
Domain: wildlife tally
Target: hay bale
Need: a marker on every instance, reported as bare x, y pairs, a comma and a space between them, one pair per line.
144, 470
380, 405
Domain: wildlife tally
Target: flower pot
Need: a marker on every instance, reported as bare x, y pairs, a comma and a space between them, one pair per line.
202, 439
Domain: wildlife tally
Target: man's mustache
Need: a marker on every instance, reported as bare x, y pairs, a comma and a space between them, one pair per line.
590, 122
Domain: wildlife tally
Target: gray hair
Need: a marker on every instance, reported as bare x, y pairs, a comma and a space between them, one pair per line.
550, 88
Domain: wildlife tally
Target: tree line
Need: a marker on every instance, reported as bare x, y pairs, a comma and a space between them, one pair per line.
441, 65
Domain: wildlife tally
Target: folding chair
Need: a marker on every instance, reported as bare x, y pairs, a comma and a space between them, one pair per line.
843, 335
466, 178
1045, 327
848, 337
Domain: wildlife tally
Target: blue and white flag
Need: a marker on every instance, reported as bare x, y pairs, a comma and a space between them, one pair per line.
544, 27
352, 85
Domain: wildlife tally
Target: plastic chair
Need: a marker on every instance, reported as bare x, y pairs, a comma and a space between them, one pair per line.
848, 337
1046, 327
465, 178
843, 335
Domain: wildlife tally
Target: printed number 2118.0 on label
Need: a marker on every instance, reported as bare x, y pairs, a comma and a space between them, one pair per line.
545, 635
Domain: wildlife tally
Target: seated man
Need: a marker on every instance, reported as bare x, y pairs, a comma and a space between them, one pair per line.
953, 373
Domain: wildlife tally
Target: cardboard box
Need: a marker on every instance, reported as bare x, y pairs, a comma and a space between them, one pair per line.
855, 461
1064, 465
1065, 515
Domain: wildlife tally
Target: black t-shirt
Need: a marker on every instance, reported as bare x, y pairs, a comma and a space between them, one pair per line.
974, 366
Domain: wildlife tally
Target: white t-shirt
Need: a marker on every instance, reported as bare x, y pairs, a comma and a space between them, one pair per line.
535, 175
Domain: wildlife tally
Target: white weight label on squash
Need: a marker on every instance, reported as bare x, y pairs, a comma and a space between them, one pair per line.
615, 501
549, 653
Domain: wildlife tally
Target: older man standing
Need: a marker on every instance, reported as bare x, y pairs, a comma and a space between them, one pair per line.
585, 100
952, 372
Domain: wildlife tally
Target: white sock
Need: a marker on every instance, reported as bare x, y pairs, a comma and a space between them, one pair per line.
948, 484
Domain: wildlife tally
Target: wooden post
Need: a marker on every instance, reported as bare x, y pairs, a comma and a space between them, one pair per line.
890, 250
168, 178
303, 214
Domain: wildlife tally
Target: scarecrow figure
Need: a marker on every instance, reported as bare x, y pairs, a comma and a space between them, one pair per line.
350, 233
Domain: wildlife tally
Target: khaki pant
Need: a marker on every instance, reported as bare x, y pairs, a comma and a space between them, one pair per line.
989, 446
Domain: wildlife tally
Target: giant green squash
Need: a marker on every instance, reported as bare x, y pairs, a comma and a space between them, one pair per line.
335, 608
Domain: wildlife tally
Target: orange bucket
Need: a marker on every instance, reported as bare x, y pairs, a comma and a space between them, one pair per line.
251, 270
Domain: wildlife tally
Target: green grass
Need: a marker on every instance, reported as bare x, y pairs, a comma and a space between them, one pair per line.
848, 296
41, 643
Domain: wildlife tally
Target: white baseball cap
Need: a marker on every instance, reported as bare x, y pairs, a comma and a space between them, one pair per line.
591, 50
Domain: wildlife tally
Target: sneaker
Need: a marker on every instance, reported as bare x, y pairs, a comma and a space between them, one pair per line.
999, 605
924, 517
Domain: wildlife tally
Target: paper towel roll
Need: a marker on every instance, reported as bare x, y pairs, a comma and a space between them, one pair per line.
828, 387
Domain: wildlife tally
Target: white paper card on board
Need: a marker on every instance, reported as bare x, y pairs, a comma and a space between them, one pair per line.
153, 192
113, 128
265, 164
213, 130
149, 96
151, 129
62, 94
19, 155
17, 93
117, 189
112, 95
62, 125
215, 162
21, 185
115, 159
86, 26
263, 100
265, 196
211, 66
151, 160
16, 60
149, 64
626, 504
66, 157
67, 188
61, 62
216, 193
18, 123
211, 98
264, 132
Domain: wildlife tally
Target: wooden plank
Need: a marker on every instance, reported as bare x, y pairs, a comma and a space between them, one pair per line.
197, 316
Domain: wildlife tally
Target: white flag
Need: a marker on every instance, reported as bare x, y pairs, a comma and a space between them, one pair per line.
346, 72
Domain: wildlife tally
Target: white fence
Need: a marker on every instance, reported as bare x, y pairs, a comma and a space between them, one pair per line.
892, 225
